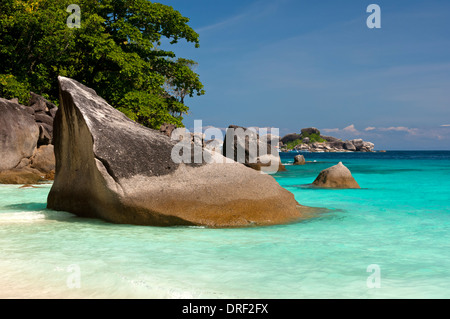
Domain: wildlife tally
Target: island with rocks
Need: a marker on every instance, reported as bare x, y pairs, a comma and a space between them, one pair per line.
311, 140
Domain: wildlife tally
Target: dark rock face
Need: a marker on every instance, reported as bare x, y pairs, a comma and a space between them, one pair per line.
110, 167
309, 131
240, 149
290, 138
337, 176
337, 144
18, 134
43, 118
40, 104
349, 146
45, 137
299, 160
359, 143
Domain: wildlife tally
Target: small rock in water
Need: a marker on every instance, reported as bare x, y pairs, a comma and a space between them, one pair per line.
337, 176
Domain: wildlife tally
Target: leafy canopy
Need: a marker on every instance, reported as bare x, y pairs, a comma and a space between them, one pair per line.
116, 51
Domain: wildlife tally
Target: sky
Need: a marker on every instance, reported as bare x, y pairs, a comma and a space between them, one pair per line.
291, 64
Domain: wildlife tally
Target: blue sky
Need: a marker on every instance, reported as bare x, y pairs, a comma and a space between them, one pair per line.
292, 64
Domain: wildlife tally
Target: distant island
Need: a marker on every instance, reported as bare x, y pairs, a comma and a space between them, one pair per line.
311, 140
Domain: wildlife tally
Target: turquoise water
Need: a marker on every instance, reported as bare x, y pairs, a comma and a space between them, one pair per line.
399, 221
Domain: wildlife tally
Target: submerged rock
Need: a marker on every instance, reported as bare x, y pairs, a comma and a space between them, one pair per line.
110, 167
337, 176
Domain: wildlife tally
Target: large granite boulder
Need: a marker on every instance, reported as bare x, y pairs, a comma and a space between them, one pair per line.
110, 167
18, 134
248, 148
337, 176
44, 159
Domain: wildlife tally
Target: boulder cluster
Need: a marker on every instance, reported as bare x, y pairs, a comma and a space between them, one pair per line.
26, 137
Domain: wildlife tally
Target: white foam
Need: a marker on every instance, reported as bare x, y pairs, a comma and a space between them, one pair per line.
33, 216
21, 217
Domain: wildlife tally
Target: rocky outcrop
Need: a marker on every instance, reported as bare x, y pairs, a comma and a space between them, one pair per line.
309, 131
44, 113
248, 148
337, 176
25, 141
112, 168
18, 134
299, 160
324, 143
290, 138
349, 146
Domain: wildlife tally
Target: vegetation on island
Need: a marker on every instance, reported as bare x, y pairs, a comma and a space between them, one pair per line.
117, 50
313, 138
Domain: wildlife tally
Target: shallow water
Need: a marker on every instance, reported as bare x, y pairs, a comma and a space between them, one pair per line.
398, 221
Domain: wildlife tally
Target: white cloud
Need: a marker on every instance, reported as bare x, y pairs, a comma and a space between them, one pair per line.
370, 128
330, 130
412, 131
445, 125
351, 129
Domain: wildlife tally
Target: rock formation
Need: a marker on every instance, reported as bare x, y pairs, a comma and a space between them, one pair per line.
112, 168
18, 134
337, 176
25, 135
263, 154
324, 143
299, 160
290, 138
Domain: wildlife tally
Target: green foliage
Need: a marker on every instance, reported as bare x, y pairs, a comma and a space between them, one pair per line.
291, 145
11, 88
313, 138
116, 52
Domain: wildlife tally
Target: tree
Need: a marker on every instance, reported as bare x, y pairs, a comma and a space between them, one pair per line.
116, 51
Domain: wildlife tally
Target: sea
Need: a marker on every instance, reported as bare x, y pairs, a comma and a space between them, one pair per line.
389, 239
